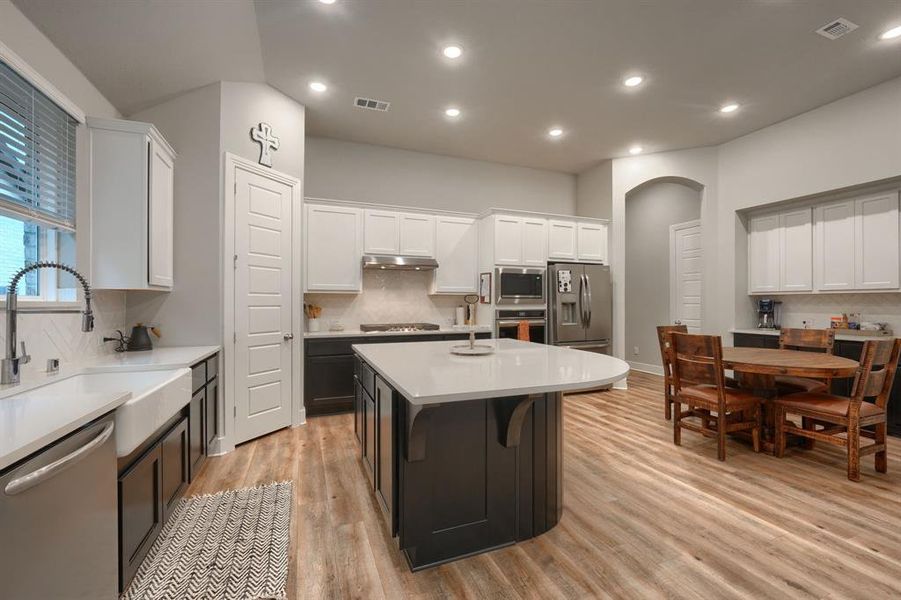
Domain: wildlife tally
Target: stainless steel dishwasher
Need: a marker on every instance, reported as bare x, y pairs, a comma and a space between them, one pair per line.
58, 519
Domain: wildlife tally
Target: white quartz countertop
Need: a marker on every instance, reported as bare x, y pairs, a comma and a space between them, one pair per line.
359, 333
33, 416
427, 372
839, 336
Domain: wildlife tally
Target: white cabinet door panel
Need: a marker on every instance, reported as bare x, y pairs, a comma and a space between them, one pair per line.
834, 269
534, 242
561, 240
508, 240
763, 254
592, 242
417, 235
381, 232
457, 253
876, 248
796, 250
333, 249
160, 234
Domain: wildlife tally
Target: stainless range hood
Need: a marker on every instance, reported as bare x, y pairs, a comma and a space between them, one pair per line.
399, 263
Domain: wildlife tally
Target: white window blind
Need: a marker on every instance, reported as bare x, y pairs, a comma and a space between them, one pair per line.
37, 155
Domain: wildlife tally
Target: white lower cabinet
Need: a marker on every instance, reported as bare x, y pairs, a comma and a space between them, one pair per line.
457, 253
334, 248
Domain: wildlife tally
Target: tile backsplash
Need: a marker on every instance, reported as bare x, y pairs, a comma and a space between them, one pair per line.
817, 309
60, 336
387, 297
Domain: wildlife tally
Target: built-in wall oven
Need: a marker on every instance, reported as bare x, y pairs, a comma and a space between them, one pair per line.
519, 285
506, 324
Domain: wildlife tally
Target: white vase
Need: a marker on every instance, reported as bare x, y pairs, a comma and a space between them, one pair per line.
313, 325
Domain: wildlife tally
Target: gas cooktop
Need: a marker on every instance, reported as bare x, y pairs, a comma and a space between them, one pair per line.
392, 327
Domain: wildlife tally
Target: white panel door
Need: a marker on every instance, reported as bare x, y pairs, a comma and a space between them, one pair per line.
763, 254
334, 249
508, 242
834, 231
592, 242
796, 250
160, 235
561, 240
876, 247
263, 272
417, 235
534, 242
381, 232
457, 252
686, 274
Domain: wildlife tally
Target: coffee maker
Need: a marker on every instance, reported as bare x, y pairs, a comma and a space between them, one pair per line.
769, 313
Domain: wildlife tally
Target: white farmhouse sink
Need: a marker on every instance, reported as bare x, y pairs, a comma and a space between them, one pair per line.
155, 397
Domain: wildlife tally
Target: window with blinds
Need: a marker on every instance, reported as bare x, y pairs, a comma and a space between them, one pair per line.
37, 156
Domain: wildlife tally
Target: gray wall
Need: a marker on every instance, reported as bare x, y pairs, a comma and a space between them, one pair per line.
650, 210
594, 191
366, 173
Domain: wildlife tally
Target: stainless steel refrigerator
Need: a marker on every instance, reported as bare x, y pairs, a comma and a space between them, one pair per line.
580, 298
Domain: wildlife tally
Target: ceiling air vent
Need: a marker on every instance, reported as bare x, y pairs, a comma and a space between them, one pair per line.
837, 28
370, 104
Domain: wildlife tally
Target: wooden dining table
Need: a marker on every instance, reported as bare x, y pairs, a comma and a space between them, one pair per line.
756, 369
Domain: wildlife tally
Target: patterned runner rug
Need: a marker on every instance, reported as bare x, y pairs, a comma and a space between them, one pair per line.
231, 545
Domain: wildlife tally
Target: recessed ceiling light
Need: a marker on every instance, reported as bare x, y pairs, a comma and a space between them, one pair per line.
894, 32
633, 81
555, 132
453, 51
318, 86
327, 1
728, 108
452, 112
636, 150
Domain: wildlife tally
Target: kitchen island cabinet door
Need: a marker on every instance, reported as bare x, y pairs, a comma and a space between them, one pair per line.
369, 437
386, 455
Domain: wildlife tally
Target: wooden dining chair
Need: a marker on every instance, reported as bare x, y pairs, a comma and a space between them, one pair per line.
662, 330
805, 340
699, 381
841, 418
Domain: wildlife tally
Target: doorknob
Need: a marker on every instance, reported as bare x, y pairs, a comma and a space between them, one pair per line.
288, 337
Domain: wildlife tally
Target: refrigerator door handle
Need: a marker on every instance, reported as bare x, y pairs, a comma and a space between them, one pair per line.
582, 300
588, 304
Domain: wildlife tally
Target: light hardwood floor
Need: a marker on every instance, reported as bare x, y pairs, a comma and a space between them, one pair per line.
643, 518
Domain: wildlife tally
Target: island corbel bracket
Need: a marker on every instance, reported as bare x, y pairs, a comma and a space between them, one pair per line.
418, 417
512, 412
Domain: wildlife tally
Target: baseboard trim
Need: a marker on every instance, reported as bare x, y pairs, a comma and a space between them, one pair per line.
646, 368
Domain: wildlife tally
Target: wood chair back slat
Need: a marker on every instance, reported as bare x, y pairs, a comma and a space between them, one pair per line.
696, 359
876, 375
807, 339
662, 330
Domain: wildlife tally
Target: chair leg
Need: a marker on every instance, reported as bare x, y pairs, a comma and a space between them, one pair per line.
854, 451
808, 424
667, 403
881, 457
721, 436
780, 431
755, 433
677, 426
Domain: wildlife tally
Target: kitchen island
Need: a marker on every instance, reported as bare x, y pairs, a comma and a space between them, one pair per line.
465, 453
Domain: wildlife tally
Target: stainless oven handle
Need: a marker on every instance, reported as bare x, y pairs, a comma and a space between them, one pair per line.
516, 323
38, 476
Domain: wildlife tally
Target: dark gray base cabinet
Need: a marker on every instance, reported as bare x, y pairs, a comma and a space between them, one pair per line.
842, 387
329, 368
156, 475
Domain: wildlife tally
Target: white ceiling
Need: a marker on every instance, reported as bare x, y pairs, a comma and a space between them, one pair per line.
527, 65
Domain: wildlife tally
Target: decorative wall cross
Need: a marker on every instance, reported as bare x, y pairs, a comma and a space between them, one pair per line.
268, 142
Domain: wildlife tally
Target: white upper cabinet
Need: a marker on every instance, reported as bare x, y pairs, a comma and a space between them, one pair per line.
417, 235
592, 242
534, 242
835, 246
333, 241
381, 232
457, 253
132, 206
763, 254
876, 242
561, 240
507, 240
796, 251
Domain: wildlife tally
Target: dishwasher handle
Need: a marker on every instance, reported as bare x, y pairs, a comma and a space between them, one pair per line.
38, 476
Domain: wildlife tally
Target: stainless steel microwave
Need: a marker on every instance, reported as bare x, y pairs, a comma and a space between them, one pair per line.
519, 285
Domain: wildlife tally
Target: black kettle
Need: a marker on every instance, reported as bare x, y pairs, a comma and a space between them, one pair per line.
140, 338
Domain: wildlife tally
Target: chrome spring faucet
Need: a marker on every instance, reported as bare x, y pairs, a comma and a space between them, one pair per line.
12, 362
